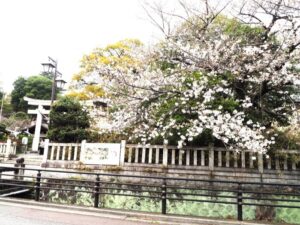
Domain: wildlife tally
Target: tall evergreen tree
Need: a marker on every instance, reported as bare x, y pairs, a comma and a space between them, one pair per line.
68, 121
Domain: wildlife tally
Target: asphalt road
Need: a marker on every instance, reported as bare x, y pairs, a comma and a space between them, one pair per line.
19, 215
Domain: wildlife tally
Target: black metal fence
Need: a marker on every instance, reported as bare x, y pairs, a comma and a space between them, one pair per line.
162, 189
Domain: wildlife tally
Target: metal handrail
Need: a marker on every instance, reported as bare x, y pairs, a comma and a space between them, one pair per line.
163, 188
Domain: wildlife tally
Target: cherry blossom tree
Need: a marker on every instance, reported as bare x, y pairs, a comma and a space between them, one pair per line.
228, 75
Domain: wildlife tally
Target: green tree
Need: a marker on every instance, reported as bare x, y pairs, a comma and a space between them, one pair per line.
17, 95
1, 93
7, 109
68, 121
38, 87
2, 131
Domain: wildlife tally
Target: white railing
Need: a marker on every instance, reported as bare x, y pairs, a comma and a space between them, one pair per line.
61, 151
7, 149
209, 157
188, 157
77, 152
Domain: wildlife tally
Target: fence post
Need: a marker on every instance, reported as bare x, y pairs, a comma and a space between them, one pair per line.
164, 197
240, 202
122, 152
22, 171
82, 150
14, 148
96, 191
165, 153
211, 157
19, 173
37, 186
8, 148
46, 149
16, 172
260, 162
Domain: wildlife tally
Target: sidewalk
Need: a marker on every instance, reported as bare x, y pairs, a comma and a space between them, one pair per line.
16, 211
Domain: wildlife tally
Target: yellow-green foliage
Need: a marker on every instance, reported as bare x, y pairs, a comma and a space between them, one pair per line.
119, 54
90, 91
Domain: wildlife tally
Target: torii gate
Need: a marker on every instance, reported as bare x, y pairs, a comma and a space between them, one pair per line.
40, 111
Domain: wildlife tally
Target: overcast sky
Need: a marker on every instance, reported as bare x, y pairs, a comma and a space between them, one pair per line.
31, 30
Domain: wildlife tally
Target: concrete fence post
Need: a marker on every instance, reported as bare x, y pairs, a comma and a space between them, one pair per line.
165, 153
19, 173
46, 150
14, 148
260, 162
8, 150
22, 171
122, 152
211, 157
82, 150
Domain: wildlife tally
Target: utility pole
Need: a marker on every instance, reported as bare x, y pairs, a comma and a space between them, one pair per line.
3, 96
54, 62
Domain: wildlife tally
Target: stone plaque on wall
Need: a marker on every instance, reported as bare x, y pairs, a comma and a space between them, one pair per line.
101, 154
